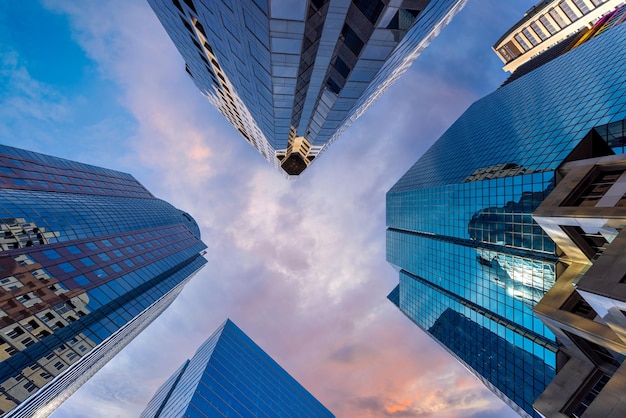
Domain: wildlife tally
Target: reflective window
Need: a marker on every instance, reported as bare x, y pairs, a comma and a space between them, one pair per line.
87, 261
51, 254
73, 249
67, 267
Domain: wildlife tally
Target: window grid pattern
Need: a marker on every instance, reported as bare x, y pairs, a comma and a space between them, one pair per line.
516, 365
82, 268
33, 171
231, 375
535, 121
509, 286
264, 61
470, 255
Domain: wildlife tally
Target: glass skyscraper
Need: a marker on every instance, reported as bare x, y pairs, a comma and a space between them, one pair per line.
230, 375
291, 76
88, 258
473, 263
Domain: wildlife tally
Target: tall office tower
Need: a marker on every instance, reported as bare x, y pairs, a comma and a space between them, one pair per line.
232, 376
291, 76
88, 258
475, 266
547, 24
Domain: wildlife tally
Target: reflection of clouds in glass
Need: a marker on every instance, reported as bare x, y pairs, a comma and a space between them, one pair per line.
524, 279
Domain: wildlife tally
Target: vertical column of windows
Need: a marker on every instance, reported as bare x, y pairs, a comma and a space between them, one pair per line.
529, 36
537, 29
559, 17
522, 42
582, 6
545, 21
567, 9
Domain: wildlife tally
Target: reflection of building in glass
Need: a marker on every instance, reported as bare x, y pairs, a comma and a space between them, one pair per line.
475, 245
232, 376
88, 259
558, 24
291, 76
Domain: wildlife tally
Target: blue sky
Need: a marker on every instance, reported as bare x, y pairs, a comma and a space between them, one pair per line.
299, 266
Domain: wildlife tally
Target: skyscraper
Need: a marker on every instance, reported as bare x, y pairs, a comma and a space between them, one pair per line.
232, 376
474, 265
88, 258
291, 76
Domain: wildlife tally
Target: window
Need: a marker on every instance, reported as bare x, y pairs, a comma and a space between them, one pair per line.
67, 267
530, 36
91, 246
200, 28
116, 268
569, 12
586, 394
87, 261
547, 24
341, 67
557, 18
582, 6
81, 280
129, 263
29, 386
51, 254
73, 249
31, 325
28, 341
106, 242
351, 39
522, 42
15, 332
600, 183
100, 273
189, 4
332, 85
58, 365
104, 257
537, 29
370, 8
43, 334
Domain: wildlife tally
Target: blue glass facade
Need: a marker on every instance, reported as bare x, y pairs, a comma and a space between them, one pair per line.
284, 70
232, 376
84, 253
472, 261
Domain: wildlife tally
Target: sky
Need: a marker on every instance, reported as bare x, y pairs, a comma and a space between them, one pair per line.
298, 265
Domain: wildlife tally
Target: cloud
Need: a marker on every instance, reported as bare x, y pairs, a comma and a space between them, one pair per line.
298, 265
27, 98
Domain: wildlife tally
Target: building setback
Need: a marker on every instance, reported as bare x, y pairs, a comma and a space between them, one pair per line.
88, 258
229, 375
292, 76
471, 229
